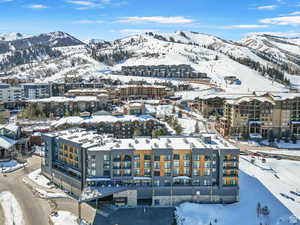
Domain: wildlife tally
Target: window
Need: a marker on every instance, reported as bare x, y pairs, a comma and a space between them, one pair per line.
196, 172
156, 173
196, 157
176, 164
168, 157
137, 172
176, 157
156, 165
147, 157
147, 164
127, 172
167, 165
186, 163
187, 156
147, 172
156, 158
176, 172
207, 172
136, 157
196, 165
186, 171
136, 164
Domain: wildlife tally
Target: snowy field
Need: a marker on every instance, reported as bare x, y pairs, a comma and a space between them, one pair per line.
12, 210
279, 177
10, 166
274, 184
188, 124
241, 213
65, 218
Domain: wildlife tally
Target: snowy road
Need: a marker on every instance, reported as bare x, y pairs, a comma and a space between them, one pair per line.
35, 211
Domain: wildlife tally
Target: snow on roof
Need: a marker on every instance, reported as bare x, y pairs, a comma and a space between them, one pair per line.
96, 142
6, 142
12, 127
249, 99
76, 120
284, 96
66, 99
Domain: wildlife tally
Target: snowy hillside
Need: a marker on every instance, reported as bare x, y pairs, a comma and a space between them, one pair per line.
52, 56
205, 53
12, 36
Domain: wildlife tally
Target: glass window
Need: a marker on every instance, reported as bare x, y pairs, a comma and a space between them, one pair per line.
175, 171
156, 165
168, 157
147, 157
136, 157
176, 163
176, 157
156, 158
167, 165
156, 173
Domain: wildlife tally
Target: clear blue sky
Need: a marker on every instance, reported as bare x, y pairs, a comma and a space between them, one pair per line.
111, 19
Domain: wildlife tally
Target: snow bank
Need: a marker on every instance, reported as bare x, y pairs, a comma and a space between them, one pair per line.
12, 210
243, 212
50, 195
65, 218
39, 179
10, 166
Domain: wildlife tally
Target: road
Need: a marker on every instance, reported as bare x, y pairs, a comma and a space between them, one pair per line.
35, 210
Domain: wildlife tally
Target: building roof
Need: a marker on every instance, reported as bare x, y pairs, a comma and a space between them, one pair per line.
77, 120
6, 142
66, 99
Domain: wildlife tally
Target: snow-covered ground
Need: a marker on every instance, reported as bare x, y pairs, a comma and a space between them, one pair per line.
50, 195
12, 210
39, 179
10, 166
284, 145
280, 152
65, 218
188, 124
280, 177
241, 213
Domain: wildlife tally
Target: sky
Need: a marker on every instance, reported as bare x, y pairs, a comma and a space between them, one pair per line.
112, 19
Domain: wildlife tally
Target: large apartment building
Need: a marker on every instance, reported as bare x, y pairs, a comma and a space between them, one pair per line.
125, 126
127, 92
159, 171
60, 106
256, 115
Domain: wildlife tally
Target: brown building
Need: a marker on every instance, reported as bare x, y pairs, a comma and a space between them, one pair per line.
127, 92
256, 115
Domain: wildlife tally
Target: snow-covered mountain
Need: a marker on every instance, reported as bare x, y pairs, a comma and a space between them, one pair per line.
258, 61
13, 36
279, 50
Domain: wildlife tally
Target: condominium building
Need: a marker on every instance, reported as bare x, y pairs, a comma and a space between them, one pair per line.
11, 94
125, 126
127, 92
60, 106
257, 115
36, 90
138, 171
